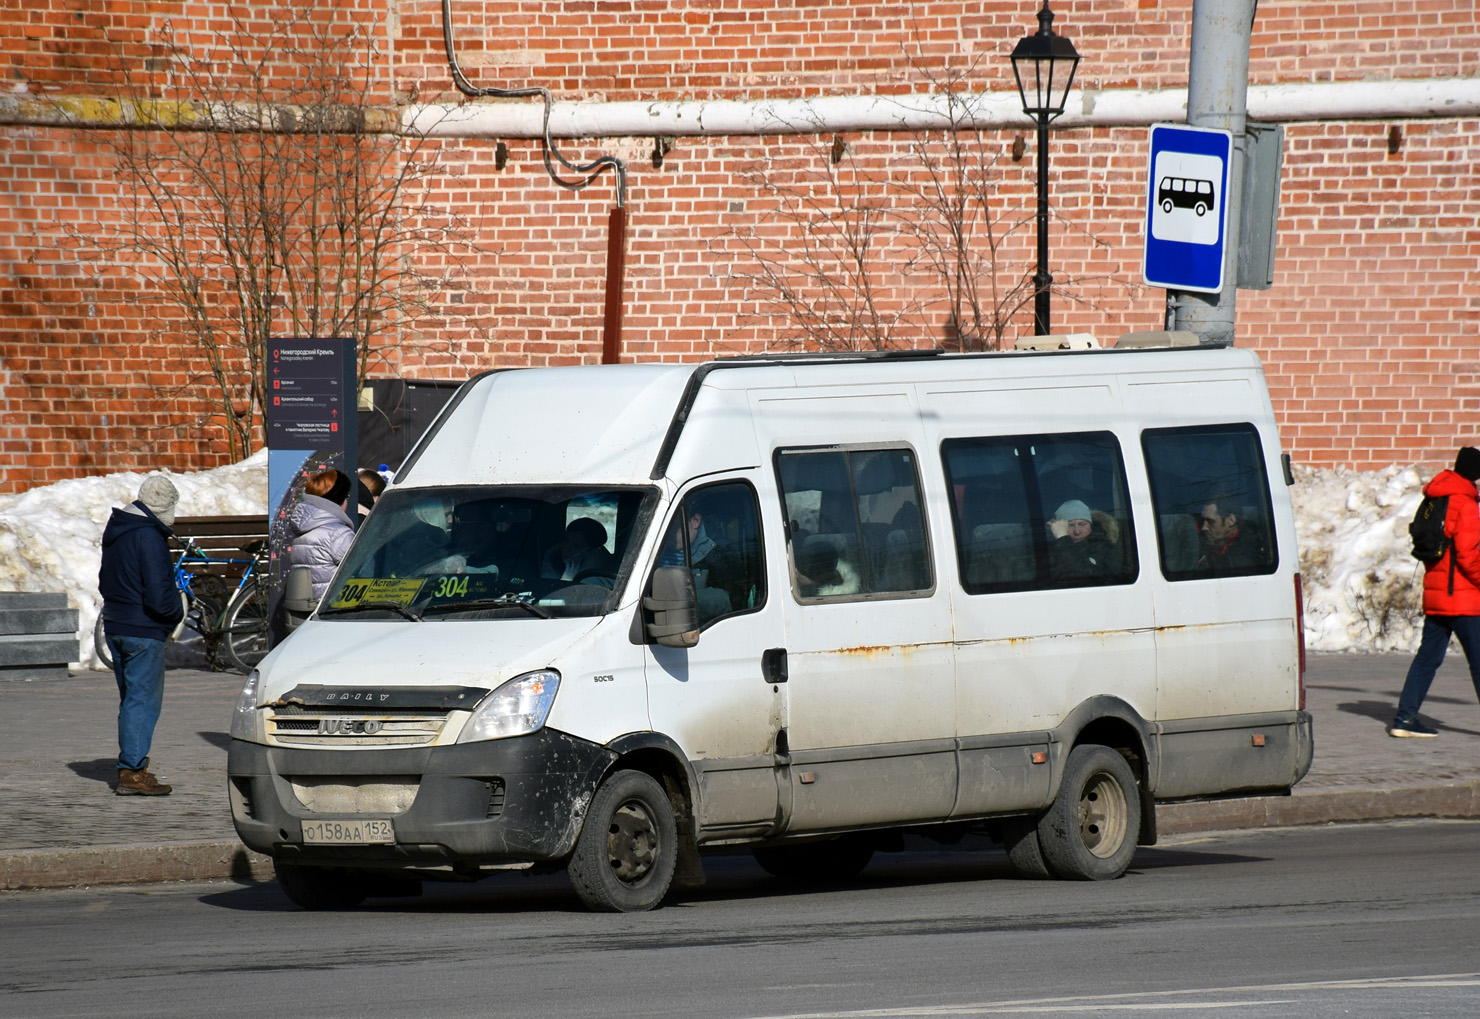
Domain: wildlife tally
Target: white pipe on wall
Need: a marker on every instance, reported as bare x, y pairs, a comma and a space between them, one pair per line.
1447, 98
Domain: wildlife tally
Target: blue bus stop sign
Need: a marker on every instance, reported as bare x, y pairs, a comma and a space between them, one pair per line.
1187, 208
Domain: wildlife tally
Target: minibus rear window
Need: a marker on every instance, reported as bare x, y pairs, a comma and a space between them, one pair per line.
1210, 490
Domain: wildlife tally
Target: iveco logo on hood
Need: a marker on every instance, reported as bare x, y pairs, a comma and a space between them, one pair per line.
348, 726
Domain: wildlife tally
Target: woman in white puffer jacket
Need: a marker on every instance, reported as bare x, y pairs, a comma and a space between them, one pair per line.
319, 531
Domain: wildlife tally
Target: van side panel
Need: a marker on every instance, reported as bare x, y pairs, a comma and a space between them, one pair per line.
1025, 659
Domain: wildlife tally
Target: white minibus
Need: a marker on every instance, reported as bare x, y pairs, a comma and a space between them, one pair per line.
609, 617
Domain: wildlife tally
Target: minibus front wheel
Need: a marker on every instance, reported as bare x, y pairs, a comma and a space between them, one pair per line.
1089, 833
628, 847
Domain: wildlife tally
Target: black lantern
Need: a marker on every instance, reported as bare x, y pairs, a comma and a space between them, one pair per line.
1043, 64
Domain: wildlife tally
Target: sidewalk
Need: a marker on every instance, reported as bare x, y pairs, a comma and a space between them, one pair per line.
61, 824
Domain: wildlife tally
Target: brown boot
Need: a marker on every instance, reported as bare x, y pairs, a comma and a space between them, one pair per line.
139, 783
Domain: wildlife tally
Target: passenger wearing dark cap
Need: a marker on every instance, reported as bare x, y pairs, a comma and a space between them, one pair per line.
141, 608
1451, 592
319, 531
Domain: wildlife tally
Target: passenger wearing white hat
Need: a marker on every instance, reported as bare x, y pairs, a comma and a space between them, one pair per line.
1080, 550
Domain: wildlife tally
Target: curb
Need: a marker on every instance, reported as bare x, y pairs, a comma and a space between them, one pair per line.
220, 861
131, 864
1386, 803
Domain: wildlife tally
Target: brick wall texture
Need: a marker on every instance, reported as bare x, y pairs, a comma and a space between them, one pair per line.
1369, 335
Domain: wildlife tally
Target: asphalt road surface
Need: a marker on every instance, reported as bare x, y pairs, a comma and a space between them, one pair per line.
1352, 920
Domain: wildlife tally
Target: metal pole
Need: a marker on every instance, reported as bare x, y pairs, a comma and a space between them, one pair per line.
1042, 279
1217, 96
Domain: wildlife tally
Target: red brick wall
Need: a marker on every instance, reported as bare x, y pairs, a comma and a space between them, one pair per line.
1369, 336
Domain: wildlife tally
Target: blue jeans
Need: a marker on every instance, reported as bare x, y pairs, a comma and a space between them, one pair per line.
1436, 633
138, 665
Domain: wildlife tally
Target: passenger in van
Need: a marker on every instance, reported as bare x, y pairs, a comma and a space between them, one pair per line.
1228, 545
1081, 547
474, 544
713, 563
820, 572
581, 554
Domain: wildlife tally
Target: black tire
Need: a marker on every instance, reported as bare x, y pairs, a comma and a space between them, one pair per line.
320, 887
831, 862
1166, 205
1089, 833
1020, 839
244, 631
628, 847
1200, 209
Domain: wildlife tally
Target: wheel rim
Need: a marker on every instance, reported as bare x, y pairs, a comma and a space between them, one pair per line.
1102, 816
632, 843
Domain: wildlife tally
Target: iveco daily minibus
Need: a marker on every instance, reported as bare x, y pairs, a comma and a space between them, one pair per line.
609, 617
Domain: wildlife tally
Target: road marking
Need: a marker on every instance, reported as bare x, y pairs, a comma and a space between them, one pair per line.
1145, 1001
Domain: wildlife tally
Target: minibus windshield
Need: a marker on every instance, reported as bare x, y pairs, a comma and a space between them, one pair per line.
491, 552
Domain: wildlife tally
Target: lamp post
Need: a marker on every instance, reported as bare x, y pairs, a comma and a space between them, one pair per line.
1043, 64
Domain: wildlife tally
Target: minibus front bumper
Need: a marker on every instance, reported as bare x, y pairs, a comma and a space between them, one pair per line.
463, 807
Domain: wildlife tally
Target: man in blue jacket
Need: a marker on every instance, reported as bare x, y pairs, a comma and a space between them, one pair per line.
141, 607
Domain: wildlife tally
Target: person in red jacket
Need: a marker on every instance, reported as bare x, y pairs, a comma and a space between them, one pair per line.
1451, 593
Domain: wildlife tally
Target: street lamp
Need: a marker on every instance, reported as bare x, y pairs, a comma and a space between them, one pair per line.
1045, 62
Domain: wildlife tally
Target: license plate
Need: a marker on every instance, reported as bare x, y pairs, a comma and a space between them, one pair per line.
360, 832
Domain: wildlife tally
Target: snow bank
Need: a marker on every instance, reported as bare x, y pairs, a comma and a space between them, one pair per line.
49, 536
1362, 587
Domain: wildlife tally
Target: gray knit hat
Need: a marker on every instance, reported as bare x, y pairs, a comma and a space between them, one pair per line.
1072, 510
159, 497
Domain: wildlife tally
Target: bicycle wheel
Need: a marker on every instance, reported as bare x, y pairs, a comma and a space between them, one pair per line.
100, 644
244, 635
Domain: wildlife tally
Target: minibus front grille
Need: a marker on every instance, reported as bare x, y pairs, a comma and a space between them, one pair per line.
307, 730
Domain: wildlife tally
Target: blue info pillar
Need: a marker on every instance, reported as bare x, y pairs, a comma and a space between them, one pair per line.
311, 427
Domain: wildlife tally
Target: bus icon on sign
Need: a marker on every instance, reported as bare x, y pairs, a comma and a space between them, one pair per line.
1185, 193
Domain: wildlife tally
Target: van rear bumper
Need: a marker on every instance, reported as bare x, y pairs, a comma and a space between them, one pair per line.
471, 805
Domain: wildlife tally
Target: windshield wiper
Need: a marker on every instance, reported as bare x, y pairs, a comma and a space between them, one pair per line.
366, 606
503, 601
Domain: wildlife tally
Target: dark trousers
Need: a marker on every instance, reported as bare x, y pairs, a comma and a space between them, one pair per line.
1436, 633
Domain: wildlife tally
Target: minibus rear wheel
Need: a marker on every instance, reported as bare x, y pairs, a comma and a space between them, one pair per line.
1089, 833
628, 847
319, 887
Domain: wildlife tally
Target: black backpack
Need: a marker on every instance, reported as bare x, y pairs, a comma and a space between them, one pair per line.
1427, 531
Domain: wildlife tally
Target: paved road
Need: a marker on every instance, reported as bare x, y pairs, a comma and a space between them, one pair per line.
1373, 920
61, 824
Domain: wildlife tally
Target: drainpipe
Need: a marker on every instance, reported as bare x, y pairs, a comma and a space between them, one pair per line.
1217, 97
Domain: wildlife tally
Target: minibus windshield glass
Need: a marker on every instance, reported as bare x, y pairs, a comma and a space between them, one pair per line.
491, 552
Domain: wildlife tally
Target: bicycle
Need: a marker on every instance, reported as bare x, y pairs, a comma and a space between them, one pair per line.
233, 624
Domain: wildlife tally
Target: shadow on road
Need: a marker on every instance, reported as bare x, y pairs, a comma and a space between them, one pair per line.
103, 769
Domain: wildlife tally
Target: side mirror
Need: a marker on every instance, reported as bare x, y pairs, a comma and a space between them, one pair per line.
673, 607
298, 600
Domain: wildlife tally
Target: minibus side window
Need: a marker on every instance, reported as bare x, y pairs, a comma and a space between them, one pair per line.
716, 533
1038, 512
855, 529
1210, 492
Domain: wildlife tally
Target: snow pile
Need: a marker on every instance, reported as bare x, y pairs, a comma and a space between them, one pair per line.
1362, 586
49, 537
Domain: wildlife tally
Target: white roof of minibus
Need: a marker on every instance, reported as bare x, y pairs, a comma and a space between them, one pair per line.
579, 425
606, 424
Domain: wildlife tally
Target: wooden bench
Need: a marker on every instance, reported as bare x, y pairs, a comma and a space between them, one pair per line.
222, 537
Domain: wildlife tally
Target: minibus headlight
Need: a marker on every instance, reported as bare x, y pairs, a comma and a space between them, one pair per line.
514, 709
244, 718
